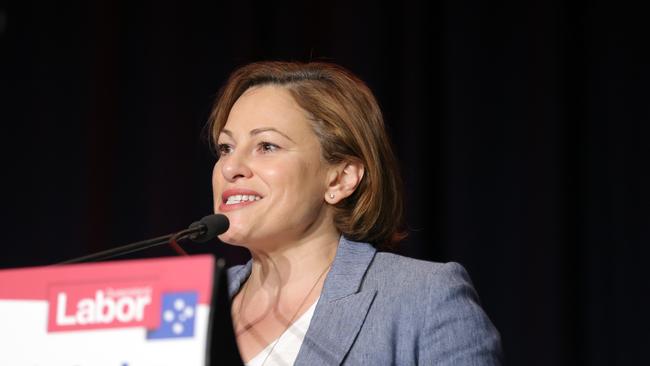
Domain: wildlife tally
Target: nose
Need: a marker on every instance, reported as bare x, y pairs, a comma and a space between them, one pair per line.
234, 167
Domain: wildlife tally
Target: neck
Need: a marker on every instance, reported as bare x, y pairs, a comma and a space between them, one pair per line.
294, 262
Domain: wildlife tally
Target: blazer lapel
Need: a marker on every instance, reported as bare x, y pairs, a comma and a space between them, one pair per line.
342, 307
237, 275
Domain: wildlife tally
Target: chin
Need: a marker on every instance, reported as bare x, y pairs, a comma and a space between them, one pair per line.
229, 239
235, 235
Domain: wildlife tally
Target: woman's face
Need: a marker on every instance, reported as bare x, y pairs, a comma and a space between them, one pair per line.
270, 179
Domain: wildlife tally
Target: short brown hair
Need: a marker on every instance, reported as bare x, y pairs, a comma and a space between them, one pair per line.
349, 124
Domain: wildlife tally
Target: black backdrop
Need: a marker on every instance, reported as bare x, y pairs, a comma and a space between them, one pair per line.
521, 129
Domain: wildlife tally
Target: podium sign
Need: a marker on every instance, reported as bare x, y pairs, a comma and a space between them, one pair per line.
123, 313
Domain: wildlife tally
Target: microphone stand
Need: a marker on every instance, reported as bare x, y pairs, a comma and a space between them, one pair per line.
134, 247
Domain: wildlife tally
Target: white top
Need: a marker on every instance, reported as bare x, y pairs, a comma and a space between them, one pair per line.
287, 344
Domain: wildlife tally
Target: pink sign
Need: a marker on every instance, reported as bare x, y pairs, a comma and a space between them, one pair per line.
111, 294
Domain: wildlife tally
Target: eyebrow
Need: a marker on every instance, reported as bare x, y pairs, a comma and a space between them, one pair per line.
257, 131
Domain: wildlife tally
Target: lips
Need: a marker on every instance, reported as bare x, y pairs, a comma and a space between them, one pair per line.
232, 199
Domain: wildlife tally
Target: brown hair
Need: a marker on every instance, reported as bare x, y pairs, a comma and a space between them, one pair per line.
349, 124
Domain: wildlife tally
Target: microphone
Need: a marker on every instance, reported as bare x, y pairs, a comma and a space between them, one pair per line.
202, 231
210, 226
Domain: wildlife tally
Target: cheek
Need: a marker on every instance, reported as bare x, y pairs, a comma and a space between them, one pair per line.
216, 175
275, 175
303, 185
288, 178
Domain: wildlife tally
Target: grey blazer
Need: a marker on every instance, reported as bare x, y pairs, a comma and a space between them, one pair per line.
385, 309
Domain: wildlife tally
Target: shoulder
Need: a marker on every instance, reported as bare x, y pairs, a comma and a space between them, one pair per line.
439, 304
439, 289
422, 285
389, 269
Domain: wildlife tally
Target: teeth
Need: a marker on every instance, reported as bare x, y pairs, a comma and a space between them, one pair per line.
239, 198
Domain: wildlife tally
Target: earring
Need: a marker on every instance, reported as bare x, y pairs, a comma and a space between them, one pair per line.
331, 195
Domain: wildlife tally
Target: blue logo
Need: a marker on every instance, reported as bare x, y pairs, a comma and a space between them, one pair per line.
178, 312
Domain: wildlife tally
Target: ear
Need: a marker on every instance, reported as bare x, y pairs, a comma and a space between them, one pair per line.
343, 181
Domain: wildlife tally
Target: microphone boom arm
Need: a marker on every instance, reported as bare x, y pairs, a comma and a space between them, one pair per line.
134, 247
200, 231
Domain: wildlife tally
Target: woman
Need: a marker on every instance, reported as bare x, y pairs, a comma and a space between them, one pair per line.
309, 183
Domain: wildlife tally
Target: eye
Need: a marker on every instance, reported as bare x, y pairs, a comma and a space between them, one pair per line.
224, 149
267, 147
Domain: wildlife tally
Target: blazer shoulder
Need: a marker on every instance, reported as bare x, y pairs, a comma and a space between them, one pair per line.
455, 329
392, 268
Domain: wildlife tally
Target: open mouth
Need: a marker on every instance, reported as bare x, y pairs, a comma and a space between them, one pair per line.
236, 198
239, 198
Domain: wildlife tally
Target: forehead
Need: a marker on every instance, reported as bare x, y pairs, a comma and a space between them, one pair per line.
267, 106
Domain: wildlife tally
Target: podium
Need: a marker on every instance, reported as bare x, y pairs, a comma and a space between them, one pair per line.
163, 311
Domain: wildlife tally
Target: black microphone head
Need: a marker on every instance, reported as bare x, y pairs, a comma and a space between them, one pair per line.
213, 225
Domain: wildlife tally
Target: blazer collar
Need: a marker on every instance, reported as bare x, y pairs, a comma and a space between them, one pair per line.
237, 276
348, 269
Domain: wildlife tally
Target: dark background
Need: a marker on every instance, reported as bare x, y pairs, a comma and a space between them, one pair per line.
521, 128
